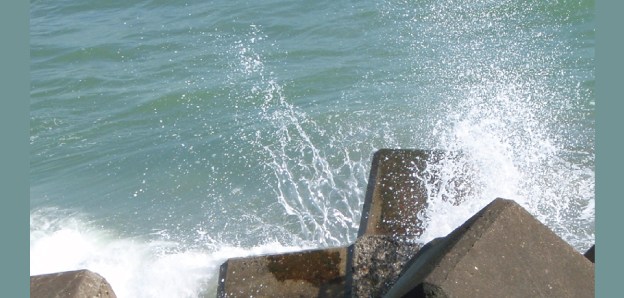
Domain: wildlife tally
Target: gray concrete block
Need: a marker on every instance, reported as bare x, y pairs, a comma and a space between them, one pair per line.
71, 284
394, 195
502, 251
376, 263
389, 223
315, 273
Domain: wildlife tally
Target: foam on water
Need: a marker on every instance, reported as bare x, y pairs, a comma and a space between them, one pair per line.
133, 267
492, 83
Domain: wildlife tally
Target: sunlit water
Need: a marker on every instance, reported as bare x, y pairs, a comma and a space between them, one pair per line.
169, 136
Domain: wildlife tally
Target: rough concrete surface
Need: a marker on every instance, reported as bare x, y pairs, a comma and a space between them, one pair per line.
315, 273
377, 261
395, 196
71, 284
502, 251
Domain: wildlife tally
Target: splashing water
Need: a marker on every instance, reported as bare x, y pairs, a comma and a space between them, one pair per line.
498, 146
189, 134
134, 267
303, 179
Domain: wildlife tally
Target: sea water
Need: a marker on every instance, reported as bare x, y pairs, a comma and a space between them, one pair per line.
168, 136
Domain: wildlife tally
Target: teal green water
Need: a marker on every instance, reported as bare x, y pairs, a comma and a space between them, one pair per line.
167, 136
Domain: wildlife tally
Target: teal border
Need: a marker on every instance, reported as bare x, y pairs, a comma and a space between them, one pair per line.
609, 139
14, 155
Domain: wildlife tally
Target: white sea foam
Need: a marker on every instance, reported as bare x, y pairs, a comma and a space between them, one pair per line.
133, 267
316, 164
